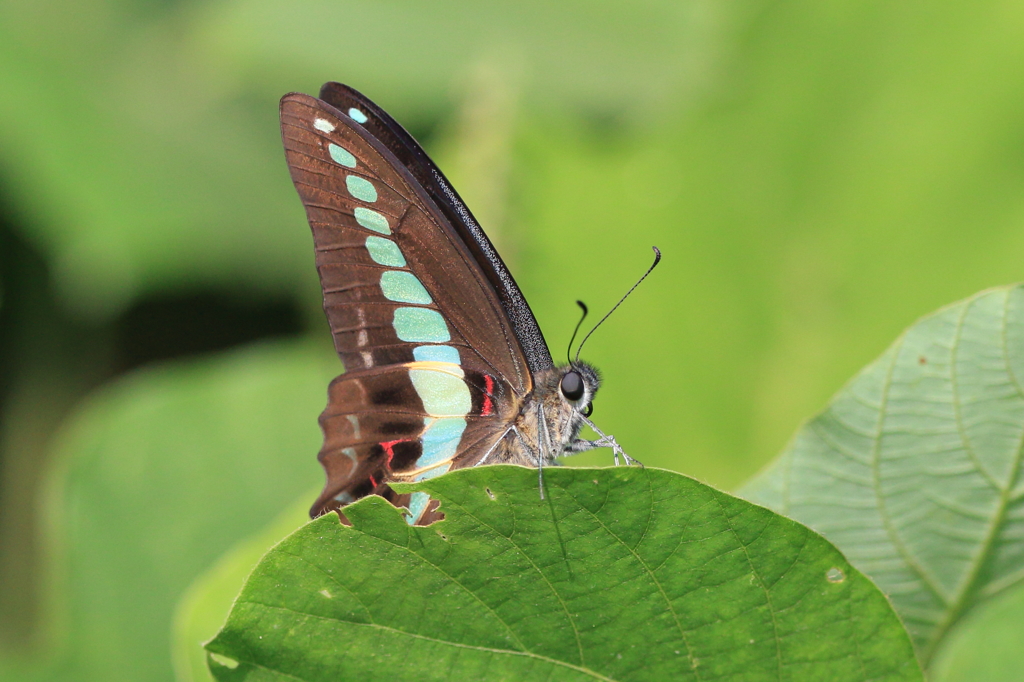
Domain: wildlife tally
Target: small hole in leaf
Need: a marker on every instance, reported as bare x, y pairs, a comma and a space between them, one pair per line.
442, 536
595, 481
327, 594
834, 575
223, 660
490, 494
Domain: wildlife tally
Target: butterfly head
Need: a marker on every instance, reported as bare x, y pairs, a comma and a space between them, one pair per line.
578, 385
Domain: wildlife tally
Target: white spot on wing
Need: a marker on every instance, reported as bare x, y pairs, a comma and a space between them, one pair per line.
362, 338
354, 421
323, 125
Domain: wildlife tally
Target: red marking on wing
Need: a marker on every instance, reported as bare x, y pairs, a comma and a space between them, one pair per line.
389, 450
373, 481
488, 404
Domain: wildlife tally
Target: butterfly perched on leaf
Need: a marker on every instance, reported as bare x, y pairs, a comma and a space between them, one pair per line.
445, 365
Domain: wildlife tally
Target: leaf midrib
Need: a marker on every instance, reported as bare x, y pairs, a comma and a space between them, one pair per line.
969, 586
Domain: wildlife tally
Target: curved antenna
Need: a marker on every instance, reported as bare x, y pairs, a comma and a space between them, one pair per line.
657, 258
568, 351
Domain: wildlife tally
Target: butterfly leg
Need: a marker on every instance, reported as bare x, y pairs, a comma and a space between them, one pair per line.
535, 455
544, 438
498, 442
606, 441
583, 445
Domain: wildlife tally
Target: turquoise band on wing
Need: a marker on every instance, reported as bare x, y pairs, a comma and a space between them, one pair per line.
440, 441
437, 354
361, 188
371, 220
443, 394
402, 286
341, 156
420, 325
417, 505
385, 252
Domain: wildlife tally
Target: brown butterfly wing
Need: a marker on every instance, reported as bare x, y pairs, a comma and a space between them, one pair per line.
373, 427
351, 278
398, 282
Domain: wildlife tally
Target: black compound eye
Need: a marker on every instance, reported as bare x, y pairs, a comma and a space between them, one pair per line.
572, 385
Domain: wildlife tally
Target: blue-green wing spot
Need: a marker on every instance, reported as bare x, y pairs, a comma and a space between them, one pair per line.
420, 325
361, 188
341, 156
445, 451
444, 393
403, 287
357, 115
385, 251
440, 442
370, 219
417, 505
437, 354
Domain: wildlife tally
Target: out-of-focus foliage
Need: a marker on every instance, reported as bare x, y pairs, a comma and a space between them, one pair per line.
159, 476
203, 608
986, 646
817, 175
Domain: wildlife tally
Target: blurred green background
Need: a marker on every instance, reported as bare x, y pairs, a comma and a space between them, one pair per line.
818, 174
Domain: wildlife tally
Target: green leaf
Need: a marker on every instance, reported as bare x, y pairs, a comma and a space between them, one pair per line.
986, 644
618, 574
914, 468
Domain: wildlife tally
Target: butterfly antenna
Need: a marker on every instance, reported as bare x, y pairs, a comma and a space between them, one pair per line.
568, 352
657, 259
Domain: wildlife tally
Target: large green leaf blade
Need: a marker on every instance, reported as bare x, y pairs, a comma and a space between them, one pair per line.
618, 574
914, 469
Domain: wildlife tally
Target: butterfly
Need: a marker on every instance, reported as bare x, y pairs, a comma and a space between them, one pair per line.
445, 364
